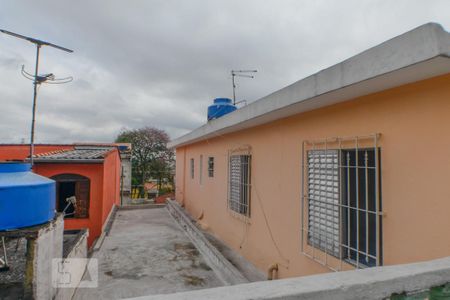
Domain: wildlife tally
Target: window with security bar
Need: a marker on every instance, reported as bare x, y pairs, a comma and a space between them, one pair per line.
343, 206
200, 170
192, 168
211, 166
239, 184
359, 209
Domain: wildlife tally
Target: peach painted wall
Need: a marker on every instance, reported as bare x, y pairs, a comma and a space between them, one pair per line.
414, 122
21, 152
95, 173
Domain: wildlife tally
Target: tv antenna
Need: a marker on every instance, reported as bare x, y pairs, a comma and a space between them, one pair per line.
239, 73
38, 79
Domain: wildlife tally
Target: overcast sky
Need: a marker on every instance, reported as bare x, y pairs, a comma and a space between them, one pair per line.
161, 63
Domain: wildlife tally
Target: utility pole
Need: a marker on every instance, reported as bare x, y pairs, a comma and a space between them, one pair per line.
36, 78
239, 73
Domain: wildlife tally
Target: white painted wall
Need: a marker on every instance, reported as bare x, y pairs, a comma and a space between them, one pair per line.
78, 251
126, 168
48, 245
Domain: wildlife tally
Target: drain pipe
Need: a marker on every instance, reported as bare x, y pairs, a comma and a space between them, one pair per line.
272, 272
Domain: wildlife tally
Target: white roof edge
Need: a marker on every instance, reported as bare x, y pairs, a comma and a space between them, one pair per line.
421, 53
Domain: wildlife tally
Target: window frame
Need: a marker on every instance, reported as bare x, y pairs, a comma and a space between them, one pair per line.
239, 186
364, 210
368, 251
211, 166
81, 182
200, 169
192, 167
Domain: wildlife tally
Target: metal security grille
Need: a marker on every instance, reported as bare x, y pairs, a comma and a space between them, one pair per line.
341, 201
323, 204
239, 184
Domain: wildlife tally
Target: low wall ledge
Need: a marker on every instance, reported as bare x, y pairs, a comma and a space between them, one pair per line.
371, 283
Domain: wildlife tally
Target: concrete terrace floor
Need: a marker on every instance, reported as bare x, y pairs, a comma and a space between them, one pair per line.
147, 253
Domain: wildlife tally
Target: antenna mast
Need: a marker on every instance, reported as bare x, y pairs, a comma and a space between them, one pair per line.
239, 73
36, 78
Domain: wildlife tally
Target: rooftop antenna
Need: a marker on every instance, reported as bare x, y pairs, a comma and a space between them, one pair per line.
239, 73
38, 79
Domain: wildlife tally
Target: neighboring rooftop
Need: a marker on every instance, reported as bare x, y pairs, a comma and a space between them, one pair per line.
61, 152
421, 53
79, 154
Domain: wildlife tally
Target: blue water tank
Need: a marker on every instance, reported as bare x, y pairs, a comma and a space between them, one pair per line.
221, 106
26, 199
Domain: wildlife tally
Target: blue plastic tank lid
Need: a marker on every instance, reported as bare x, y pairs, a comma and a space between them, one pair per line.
12, 167
222, 100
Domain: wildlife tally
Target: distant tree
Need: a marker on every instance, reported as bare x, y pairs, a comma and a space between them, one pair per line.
150, 156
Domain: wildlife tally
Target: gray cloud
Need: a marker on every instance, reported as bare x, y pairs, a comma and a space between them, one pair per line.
160, 63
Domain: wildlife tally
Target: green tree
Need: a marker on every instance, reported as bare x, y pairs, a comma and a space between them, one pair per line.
150, 157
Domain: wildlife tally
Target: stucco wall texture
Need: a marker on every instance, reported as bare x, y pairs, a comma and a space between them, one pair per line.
413, 120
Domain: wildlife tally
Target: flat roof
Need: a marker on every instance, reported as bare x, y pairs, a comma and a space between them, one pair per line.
421, 53
147, 252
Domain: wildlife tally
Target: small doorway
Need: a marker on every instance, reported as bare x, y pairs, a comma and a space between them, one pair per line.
69, 186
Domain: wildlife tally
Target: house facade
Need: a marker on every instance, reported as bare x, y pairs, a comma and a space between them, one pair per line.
90, 175
344, 169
